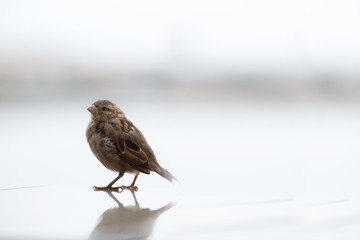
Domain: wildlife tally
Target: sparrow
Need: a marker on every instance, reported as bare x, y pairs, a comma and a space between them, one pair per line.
119, 145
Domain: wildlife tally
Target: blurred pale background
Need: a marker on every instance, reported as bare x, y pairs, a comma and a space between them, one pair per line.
245, 102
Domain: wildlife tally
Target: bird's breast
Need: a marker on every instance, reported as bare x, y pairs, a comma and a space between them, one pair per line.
103, 148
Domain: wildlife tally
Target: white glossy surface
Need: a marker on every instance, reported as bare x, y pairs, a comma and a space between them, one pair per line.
245, 172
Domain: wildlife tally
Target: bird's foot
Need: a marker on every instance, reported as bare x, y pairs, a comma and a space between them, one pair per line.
108, 189
131, 188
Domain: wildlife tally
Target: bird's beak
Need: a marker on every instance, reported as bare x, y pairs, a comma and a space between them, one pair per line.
93, 109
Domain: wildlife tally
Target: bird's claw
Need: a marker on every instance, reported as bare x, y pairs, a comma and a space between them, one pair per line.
131, 188
108, 189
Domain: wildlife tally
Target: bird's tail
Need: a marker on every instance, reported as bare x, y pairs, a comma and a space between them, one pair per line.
165, 174
160, 211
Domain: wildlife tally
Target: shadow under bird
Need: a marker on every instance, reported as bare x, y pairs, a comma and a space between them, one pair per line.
119, 145
130, 222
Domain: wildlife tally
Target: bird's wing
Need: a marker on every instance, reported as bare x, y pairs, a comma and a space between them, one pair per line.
127, 146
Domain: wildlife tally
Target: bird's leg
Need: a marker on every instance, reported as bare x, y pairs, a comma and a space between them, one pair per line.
115, 199
132, 187
135, 200
109, 187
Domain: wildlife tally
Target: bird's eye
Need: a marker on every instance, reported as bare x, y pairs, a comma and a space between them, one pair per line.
105, 109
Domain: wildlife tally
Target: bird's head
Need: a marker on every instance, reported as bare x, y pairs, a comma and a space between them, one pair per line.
104, 110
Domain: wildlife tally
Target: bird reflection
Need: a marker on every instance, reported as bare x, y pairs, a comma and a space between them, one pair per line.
131, 222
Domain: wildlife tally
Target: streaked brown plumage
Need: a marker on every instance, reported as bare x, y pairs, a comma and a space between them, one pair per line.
119, 145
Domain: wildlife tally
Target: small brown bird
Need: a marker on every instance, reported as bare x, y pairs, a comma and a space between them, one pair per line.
119, 145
